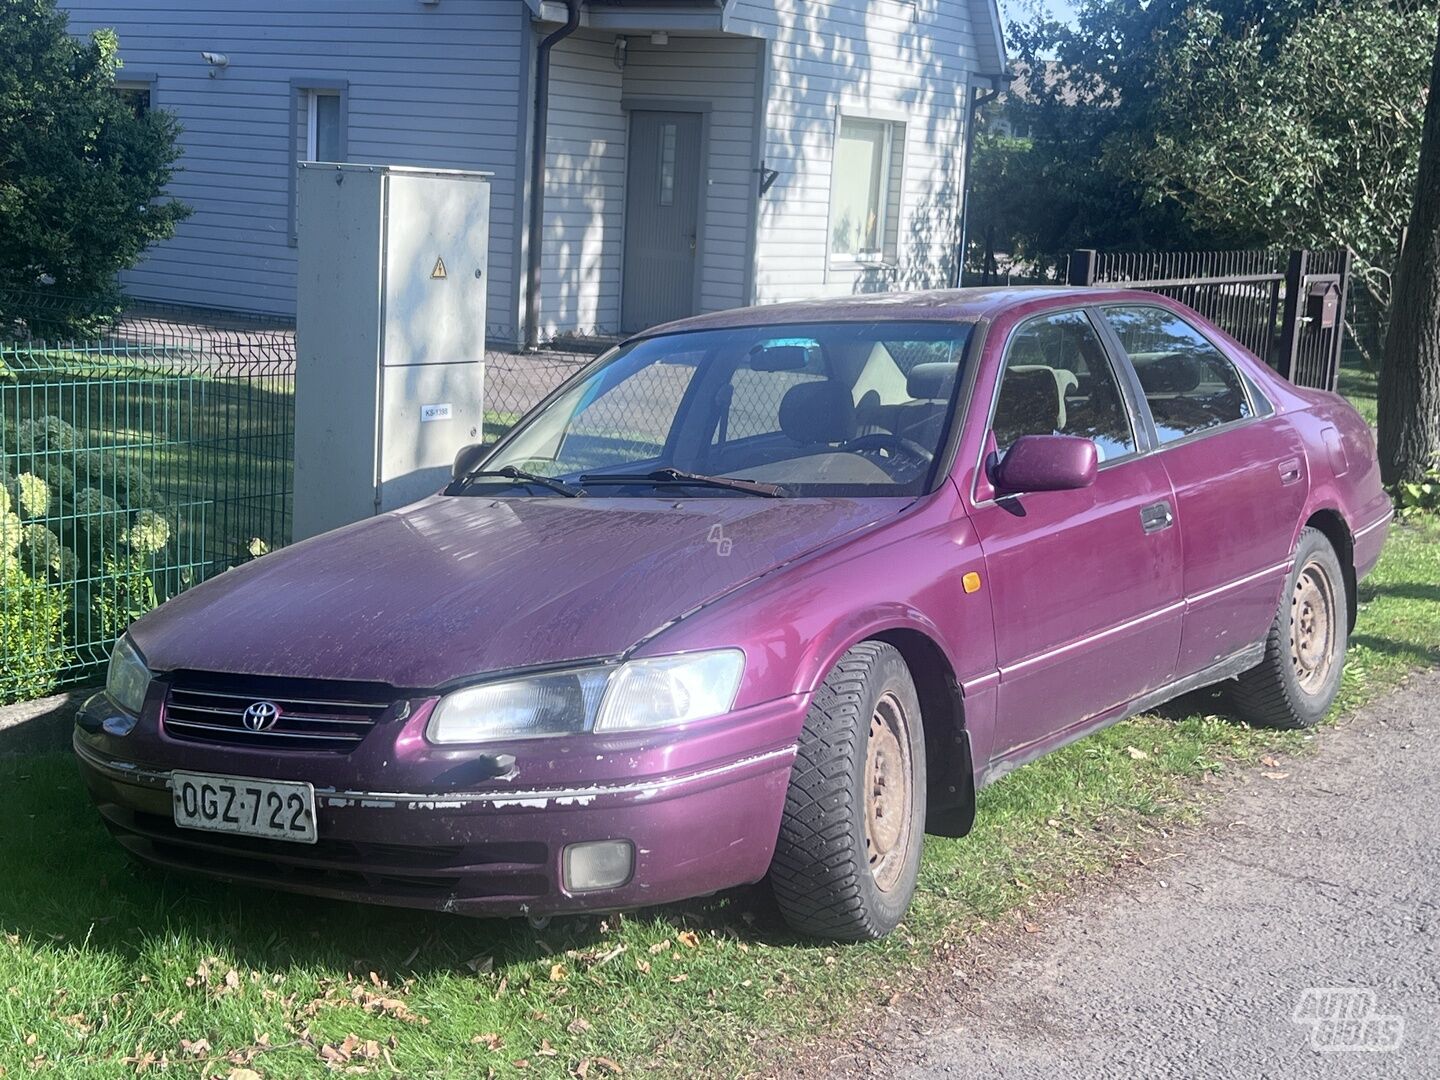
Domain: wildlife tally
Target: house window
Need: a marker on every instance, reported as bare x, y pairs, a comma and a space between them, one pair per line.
318, 118
323, 139
136, 97
865, 190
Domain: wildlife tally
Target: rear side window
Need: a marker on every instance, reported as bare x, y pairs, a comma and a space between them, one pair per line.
1058, 381
1189, 383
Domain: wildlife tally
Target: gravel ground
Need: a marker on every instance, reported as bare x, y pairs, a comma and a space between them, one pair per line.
1314, 874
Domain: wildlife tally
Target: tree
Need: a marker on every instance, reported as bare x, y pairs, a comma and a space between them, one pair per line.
1225, 123
1410, 378
82, 173
1309, 139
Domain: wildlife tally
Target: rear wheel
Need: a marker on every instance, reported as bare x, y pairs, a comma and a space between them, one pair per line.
848, 854
1296, 683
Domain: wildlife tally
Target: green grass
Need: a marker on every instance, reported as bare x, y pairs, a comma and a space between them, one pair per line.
1361, 387
104, 965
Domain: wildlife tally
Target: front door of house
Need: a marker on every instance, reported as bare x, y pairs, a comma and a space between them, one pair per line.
662, 218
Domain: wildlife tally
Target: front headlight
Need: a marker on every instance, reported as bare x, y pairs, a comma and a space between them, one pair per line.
128, 678
636, 696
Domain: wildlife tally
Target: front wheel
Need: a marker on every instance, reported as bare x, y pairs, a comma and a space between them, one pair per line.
1296, 683
848, 854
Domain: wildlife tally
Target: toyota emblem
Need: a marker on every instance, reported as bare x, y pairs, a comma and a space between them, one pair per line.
261, 716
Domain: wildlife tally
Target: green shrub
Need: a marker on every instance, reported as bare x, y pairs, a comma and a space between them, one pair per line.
31, 496
12, 531
126, 591
59, 478
46, 435
32, 621
42, 554
1419, 497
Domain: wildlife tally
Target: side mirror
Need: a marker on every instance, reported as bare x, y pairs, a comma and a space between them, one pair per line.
467, 460
1047, 463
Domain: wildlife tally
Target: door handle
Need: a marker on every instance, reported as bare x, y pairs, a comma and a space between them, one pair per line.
1157, 516
1290, 471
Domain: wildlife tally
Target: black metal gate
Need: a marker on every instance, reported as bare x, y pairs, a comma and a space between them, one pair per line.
1288, 309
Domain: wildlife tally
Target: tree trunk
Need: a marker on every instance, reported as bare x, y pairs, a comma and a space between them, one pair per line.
1410, 375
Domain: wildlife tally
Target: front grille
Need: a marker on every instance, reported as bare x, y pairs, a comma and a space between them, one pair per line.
312, 715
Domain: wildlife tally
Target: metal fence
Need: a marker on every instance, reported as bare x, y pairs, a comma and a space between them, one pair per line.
1286, 307
144, 452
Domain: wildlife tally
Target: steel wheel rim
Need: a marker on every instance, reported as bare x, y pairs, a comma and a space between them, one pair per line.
1312, 627
888, 798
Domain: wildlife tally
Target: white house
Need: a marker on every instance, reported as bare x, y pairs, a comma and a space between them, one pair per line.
699, 154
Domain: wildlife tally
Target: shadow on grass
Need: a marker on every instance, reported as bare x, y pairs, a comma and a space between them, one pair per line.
1412, 591
67, 883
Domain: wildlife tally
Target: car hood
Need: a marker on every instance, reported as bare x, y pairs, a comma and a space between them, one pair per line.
455, 587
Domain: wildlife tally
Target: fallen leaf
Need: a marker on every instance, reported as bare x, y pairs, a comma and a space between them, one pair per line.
1269, 760
578, 1026
689, 939
489, 1040
243, 1074
199, 1048
679, 978
606, 1063
659, 947
520, 1063
557, 973
546, 1050
1136, 753
643, 966
1275, 775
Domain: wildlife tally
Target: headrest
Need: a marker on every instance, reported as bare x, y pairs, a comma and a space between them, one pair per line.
818, 412
931, 382
1167, 373
1030, 402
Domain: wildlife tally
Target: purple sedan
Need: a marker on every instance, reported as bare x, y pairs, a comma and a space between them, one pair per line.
767, 593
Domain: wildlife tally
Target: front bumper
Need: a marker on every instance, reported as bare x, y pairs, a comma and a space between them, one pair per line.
493, 851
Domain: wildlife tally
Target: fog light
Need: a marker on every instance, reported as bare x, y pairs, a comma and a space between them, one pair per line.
599, 864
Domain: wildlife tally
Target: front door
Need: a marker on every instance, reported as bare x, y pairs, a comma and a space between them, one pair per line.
662, 218
1085, 585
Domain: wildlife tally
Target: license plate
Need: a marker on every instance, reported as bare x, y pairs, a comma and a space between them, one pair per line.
278, 810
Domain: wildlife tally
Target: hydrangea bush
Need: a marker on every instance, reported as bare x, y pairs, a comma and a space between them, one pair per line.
81, 531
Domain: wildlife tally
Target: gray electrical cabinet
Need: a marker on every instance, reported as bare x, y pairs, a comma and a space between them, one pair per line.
390, 335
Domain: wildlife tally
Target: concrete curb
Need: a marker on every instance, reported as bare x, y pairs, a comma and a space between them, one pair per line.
40, 726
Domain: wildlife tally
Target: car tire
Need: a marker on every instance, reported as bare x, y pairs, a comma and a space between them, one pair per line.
1296, 683
848, 854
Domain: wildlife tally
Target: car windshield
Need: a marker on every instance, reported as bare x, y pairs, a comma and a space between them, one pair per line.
822, 409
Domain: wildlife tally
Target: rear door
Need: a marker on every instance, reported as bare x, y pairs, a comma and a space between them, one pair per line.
1239, 472
1085, 595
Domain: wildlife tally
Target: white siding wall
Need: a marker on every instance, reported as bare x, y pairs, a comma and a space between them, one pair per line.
881, 58
586, 160
584, 188
722, 72
427, 86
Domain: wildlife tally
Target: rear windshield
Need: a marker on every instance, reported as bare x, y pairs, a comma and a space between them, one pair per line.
820, 409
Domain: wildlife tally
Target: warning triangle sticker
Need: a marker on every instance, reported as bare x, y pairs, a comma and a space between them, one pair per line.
439, 271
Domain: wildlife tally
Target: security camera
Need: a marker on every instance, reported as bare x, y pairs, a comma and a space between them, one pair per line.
215, 59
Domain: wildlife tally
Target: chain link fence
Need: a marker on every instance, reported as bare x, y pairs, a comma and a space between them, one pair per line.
145, 451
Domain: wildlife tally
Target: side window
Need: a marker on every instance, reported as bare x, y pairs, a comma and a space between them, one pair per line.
1058, 381
1189, 383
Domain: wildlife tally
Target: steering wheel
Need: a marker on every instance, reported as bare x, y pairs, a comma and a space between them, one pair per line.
884, 440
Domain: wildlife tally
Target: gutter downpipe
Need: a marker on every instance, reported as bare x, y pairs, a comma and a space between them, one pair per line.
977, 102
537, 171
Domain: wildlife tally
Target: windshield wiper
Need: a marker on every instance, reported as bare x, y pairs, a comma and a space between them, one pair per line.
520, 476
680, 477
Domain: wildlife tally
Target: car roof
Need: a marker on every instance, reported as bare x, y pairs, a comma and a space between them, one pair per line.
961, 305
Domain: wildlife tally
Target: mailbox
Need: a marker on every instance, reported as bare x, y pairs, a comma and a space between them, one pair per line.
1322, 304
